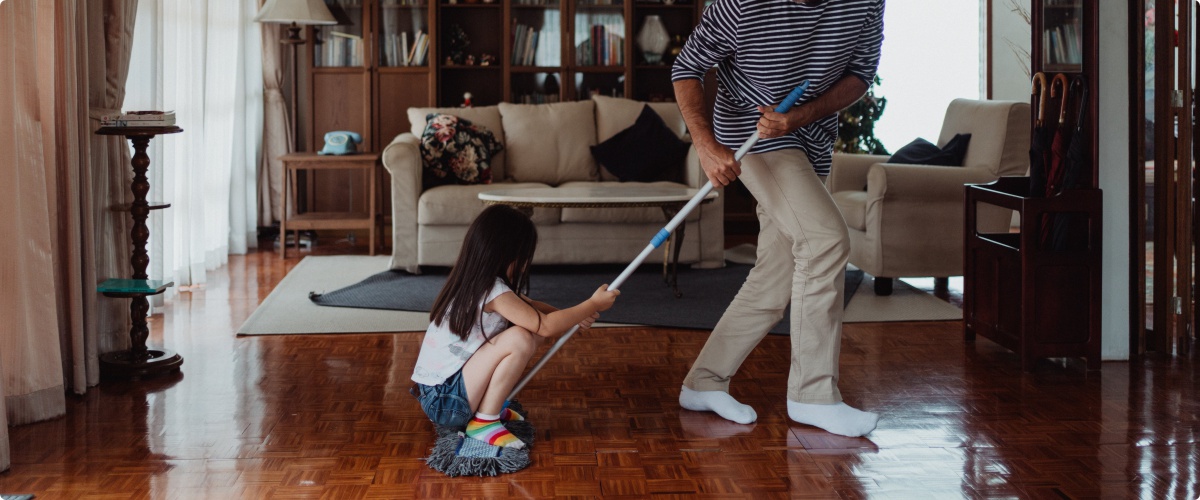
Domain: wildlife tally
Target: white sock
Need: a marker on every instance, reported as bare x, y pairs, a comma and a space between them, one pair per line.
717, 401
838, 418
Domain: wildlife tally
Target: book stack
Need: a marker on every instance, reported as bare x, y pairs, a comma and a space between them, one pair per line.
398, 52
139, 119
525, 44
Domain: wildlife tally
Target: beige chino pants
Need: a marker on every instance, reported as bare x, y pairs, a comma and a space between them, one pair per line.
803, 246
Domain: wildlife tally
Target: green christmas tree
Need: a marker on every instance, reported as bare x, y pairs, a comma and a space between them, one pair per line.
456, 44
856, 125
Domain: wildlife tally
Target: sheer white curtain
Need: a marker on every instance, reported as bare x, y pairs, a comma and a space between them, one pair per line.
201, 59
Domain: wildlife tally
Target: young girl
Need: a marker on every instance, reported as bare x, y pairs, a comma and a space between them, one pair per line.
483, 329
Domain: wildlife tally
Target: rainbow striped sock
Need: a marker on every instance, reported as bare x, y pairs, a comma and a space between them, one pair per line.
507, 415
491, 431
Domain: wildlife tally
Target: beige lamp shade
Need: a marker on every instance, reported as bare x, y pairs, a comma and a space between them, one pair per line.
295, 11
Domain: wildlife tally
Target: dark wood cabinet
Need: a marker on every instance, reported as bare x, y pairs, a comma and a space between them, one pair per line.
1036, 290
1027, 291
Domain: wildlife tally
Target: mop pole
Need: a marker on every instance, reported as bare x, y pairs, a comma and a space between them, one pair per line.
661, 236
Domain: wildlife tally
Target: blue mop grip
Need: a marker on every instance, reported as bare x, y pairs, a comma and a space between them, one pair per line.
660, 237
792, 98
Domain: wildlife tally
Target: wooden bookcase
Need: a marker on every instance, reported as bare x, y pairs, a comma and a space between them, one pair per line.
552, 50
1026, 290
356, 80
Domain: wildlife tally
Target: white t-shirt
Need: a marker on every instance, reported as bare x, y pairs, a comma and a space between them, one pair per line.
443, 353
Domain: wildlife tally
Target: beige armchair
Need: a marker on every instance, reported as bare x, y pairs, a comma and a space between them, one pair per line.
908, 221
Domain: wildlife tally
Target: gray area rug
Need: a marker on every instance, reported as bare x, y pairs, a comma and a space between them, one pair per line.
645, 297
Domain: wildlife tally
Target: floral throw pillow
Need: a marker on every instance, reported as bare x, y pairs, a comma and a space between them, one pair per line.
456, 151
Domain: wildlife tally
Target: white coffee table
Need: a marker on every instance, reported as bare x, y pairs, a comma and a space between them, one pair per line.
669, 199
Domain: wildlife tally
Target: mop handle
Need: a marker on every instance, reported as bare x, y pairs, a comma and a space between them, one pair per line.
661, 236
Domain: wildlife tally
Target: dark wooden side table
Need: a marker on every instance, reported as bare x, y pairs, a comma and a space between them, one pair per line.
138, 361
293, 162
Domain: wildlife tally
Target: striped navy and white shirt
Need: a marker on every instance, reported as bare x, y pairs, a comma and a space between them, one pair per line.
764, 48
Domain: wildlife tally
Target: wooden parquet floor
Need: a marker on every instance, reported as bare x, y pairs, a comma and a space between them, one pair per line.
329, 417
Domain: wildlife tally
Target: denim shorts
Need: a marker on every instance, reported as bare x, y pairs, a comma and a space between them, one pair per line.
446, 404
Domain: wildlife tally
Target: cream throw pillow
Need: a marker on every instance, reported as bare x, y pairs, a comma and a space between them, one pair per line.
550, 143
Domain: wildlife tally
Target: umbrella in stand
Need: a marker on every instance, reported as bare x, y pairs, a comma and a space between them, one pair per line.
1058, 151
1038, 145
1058, 147
1077, 173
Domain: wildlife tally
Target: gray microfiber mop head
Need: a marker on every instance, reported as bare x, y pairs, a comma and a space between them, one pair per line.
454, 454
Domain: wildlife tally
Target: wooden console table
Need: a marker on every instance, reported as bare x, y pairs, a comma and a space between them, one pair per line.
292, 162
139, 360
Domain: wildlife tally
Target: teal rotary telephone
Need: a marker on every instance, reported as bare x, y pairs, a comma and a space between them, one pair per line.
341, 143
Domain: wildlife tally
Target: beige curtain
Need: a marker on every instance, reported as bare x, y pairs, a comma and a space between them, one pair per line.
110, 43
56, 200
277, 126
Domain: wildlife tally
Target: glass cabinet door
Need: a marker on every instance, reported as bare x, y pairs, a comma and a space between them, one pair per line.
598, 50
535, 55
599, 33
341, 45
403, 33
1062, 36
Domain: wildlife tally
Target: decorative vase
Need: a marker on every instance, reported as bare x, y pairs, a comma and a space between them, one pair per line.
653, 39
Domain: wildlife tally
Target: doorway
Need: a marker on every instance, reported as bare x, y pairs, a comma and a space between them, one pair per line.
1164, 179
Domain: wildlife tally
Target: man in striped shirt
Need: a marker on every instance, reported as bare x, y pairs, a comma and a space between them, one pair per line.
763, 49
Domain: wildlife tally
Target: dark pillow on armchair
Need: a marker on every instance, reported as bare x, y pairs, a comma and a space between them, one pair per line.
923, 152
644, 152
456, 151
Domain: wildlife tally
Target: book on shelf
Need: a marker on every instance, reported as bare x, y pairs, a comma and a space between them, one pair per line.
342, 49
525, 43
417, 51
398, 51
139, 119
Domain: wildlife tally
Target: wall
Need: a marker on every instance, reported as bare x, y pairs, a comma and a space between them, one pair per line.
1114, 119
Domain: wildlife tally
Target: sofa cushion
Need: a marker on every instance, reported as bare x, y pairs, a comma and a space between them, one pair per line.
853, 205
460, 204
644, 152
923, 152
486, 116
620, 215
614, 114
456, 151
549, 143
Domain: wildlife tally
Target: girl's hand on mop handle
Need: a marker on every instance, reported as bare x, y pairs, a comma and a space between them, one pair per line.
603, 298
586, 324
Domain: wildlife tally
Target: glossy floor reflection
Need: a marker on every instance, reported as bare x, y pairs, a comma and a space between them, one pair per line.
329, 416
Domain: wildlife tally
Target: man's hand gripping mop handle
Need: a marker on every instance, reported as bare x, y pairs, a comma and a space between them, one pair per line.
661, 236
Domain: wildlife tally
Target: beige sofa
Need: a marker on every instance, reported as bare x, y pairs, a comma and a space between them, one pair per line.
908, 221
545, 145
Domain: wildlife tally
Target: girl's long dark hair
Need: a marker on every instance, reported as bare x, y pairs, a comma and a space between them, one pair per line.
499, 237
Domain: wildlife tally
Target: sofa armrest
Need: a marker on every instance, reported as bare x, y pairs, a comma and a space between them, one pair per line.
900, 181
693, 175
711, 227
402, 159
914, 217
849, 171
